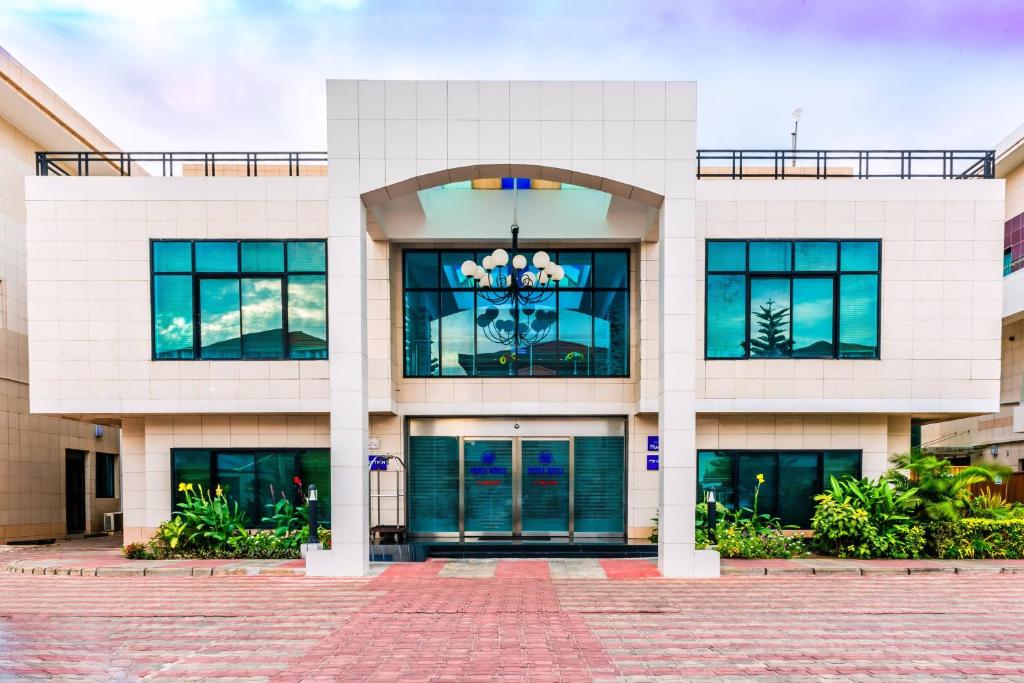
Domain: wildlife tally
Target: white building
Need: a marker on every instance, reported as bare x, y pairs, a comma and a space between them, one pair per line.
245, 330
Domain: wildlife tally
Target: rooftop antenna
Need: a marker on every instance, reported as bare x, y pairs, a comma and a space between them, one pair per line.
797, 113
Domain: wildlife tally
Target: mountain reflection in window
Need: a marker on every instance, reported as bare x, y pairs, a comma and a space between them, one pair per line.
242, 300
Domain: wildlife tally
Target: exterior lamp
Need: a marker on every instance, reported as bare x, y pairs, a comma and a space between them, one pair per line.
311, 508
797, 113
712, 515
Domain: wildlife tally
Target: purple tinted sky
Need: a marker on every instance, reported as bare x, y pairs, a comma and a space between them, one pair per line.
219, 74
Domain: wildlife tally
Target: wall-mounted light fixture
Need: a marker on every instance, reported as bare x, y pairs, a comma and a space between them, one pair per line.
995, 450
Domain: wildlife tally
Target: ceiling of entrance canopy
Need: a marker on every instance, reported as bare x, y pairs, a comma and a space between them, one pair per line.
482, 208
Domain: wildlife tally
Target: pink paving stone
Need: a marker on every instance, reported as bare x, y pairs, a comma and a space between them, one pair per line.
522, 569
620, 570
413, 569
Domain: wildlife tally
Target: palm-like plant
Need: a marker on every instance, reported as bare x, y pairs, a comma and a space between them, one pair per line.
772, 338
943, 494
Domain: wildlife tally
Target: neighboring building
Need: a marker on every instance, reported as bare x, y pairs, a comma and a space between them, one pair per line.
244, 331
998, 437
56, 476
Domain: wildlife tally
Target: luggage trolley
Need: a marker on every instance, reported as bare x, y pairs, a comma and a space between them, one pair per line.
387, 522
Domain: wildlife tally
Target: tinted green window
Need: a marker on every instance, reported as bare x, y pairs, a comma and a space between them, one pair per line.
262, 257
859, 256
421, 269
579, 328
433, 484
239, 317
172, 257
172, 316
599, 484
217, 257
813, 303
256, 479
770, 317
771, 256
611, 269
422, 333
791, 479
858, 316
307, 316
262, 319
805, 309
727, 327
727, 256
307, 257
106, 475
220, 322
545, 485
811, 256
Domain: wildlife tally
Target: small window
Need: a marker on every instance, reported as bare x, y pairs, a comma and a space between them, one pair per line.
106, 475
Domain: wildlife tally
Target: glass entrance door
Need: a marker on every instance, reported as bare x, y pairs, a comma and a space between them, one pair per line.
488, 487
545, 468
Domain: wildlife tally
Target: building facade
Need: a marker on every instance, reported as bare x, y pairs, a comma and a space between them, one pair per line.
706, 318
998, 437
57, 476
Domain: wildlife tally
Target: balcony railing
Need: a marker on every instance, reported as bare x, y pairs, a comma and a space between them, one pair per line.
182, 163
738, 164
735, 164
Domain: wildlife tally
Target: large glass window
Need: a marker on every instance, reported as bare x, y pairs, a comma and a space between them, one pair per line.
256, 479
792, 299
106, 475
791, 479
254, 299
580, 327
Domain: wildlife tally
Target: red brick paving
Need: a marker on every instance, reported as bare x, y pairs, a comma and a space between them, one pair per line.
618, 570
522, 569
412, 627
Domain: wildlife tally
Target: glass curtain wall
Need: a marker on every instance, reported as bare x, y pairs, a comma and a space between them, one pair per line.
792, 299
791, 479
221, 300
580, 327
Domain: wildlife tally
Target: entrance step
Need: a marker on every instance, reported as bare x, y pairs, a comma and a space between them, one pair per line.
484, 550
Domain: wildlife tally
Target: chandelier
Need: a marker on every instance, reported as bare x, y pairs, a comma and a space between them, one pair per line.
502, 279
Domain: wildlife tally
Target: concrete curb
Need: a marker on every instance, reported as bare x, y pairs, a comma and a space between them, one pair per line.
166, 572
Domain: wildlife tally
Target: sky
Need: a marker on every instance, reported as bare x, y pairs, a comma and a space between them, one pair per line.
191, 75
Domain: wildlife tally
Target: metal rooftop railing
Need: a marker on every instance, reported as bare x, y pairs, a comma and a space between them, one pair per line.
735, 164
779, 164
181, 163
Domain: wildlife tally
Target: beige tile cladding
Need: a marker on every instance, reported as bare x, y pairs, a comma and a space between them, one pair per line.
941, 294
146, 453
90, 282
32, 503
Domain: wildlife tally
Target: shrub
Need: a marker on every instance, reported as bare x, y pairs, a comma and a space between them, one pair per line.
745, 541
265, 545
977, 538
209, 519
989, 505
865, 519
137, 551
941, 494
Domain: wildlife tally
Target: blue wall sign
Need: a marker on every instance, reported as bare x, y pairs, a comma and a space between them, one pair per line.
378, 463
652, 461
652, 443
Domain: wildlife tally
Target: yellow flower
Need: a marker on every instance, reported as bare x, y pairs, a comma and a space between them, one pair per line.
184, 487
760, 478
219, 491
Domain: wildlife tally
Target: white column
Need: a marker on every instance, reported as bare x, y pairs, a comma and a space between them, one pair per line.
677, 419
346, 312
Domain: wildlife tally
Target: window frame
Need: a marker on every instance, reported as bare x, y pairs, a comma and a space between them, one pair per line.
238, 275
110, 458
214, 472
735, 454
592, 289
793, 274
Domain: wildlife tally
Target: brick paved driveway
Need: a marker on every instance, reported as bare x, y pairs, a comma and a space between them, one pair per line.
415, 623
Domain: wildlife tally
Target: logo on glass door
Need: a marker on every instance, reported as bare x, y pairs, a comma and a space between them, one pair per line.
544, 458
487, 458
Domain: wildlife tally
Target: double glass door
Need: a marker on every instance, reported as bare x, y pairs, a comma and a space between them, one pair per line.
518, 486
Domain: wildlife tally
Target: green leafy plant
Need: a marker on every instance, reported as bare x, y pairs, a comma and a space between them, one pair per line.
941, 493
772, 338
171, 532
865, 518
286, 517
976, 538
653, 538
137, 551
989, 504
210, 519
264, 545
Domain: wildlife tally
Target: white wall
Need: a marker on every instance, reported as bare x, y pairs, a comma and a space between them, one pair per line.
941, 294
89, 294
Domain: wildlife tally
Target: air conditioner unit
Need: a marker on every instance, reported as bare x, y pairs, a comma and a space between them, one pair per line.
112, 522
